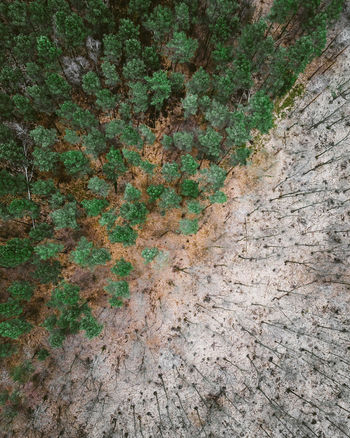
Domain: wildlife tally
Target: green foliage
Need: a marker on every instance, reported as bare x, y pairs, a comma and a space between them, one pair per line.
159, 22
170, 171
47, 271
45, 160
122, 268
114, 128
183, 141
47, 50
115, 165
57, 85
88, 256
99, 186
112, 48
131, 193
180, 48
14, 328
261, 112
154, 191
108, 219
177, 81
188, 164
21, 290
15, 252
188, 226
10, 308
40, 232
169, 199
238, 131
43, 187
105, 99
134, 70
43, 137
74, 315
134, 212
149, 254
213, 177
194, 207
123, 234
240, 156
75, 162
189, 188
139, 97
199, 83
190, 105
218, 198
94, 207
65, 217
110, 74
11, 184
132, 157
217, 114
118, 290
95, 142
160, 88
48, 250
210, 142
23, 207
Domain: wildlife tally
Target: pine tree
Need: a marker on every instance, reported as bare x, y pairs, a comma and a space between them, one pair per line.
131, 193
190, 105
213, 177
159, 22
238, 131
21, 290
180, 48
149, 254
95, 143
189, 188
199, 83
134, 70
210, 143
75, 162
122, 268
139, 97
94, 207
43, 187
14, 328
134, 212
48, 271
169, 199
65, 217
110, 74
170, 171
48, 250
118, 290
188, 226
218, 198
99, 186
261, 112
194, 207
188, 164
45, 160
123, 234
23, 207
183, 141
160, 87
154, 191
43, 137
217, 114
182, 17
112, 48
41, 232
91, 83
15, 252
88, 256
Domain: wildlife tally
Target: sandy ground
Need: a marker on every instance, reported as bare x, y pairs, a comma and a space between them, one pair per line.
243, 332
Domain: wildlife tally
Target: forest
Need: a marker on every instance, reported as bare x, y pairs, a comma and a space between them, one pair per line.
121, 123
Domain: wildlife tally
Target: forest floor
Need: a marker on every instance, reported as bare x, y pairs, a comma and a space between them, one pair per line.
243, 331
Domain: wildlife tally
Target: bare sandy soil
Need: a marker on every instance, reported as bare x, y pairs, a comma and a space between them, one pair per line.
244, 330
